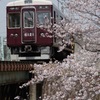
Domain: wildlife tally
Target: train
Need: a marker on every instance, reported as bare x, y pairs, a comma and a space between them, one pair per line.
25, 39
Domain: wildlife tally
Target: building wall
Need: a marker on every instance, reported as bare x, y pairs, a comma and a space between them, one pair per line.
6, 50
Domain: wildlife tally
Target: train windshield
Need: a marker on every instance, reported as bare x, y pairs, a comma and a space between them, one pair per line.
41, 17
14, 20
28, 19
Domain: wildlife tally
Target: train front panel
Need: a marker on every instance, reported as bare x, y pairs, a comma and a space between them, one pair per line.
24, 33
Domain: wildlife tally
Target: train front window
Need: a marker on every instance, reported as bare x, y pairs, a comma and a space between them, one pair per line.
28, 19
14, 20
41, 17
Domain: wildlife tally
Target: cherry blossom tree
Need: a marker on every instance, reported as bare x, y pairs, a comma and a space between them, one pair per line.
78, 76
86, 14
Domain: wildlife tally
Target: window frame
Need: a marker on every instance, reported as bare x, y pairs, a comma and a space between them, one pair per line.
33, 21
8, 20
43, 12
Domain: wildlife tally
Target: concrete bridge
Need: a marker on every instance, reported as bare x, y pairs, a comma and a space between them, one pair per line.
12, 75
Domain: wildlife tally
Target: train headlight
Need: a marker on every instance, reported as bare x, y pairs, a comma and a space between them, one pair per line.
16, 35
11, 35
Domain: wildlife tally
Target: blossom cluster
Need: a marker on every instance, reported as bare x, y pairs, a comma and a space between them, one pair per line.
77, 78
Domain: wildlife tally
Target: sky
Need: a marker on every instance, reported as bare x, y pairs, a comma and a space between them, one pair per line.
3, 4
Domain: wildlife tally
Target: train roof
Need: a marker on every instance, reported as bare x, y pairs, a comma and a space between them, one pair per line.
34, 2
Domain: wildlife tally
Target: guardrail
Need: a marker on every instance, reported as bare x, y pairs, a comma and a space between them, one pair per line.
15, 66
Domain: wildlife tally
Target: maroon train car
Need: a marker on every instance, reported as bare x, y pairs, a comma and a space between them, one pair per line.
24, 37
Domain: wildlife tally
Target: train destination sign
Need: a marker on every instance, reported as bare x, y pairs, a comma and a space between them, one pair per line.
28, 1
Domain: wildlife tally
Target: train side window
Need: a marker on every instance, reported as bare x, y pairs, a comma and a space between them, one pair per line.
28, 19
14, 20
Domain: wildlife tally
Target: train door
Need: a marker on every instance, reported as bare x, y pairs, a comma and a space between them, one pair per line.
28, 24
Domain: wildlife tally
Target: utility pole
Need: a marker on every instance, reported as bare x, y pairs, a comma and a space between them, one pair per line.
0, 50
